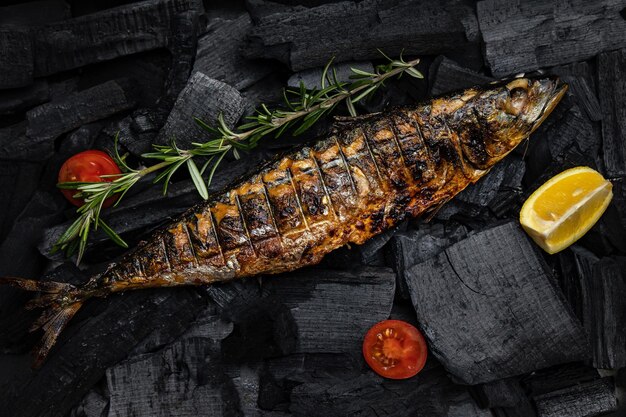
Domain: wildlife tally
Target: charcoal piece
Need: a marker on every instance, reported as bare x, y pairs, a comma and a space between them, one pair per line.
502, 393
333, 309
430, 394
203, 98
585, 400
306, 37
415, 246
508, 198
268, 91
15, 145
312, 78
17, 100
50, 120
371, 251
534, 34
81, 139
585, 97
182, 47
148, 71
219, 55
92, 405
446, 75
78, 360
16, 57
479, 281
34, 13
558, 377
612, 87
604, 311
96, 37
136, 132
186, 376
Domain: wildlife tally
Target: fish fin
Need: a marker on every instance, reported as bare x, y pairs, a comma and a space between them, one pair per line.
435, 209
62, 300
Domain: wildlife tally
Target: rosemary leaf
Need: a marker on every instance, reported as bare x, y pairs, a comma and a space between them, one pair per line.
196, 177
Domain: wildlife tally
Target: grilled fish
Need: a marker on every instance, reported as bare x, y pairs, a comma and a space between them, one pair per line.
367, 175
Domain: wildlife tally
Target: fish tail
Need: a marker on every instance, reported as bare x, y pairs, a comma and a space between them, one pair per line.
60, 300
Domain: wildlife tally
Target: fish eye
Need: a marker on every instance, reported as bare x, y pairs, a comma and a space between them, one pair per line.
518, 97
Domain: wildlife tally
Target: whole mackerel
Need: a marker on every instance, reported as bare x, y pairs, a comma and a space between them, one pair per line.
370, 173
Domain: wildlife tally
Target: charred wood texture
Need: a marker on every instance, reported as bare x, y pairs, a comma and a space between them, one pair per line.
295, 36
486, 299
95, 38
612, 88
445, 76
16, 57
584, 400
219, 53
34, 13
522, 36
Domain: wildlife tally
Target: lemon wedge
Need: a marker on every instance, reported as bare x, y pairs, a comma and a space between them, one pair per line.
563, 209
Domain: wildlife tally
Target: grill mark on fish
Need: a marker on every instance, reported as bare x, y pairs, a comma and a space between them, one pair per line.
166, 257
243, 223
191, 249
323, 182
371, 154
347, 166
216, 236
295, 193
271, 209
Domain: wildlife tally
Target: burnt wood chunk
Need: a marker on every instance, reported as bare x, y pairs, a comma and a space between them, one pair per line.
17, 100
15, 145
486, 299
589, 399
445, 76
51, 120
34, 13
185, 376
603, 284
502, 393
533, 34
16, 57
96, 37
294, 35
612, 88
219, 54
203, 98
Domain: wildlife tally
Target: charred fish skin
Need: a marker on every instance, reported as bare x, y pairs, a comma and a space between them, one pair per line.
369, 174
365, 177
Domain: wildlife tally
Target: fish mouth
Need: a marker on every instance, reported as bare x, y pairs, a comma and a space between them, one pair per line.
558, 91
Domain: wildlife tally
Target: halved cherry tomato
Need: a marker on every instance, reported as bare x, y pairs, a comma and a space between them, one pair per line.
88, 166
394, 349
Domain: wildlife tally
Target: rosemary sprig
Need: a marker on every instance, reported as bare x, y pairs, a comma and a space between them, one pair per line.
301, 109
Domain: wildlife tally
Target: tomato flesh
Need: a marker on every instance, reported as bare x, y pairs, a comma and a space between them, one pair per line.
88, 166
395, 349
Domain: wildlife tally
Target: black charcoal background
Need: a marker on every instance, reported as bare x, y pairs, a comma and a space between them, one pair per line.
512, 331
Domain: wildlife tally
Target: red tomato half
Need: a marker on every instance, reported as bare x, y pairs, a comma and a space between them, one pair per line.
394, 349
88, 166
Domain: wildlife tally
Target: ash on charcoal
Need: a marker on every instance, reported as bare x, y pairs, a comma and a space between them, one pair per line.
203, 98
499, 301
306, 37
185, 375
219, 55
612, 88
312, 78
15, 145
95, 38
603, 284
16, 57
17, 100
79, 358
585, 400
415, 246
534, 34
34, 13
445, 76
50, 120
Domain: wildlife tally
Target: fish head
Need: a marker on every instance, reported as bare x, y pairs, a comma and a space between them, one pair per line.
506, 114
